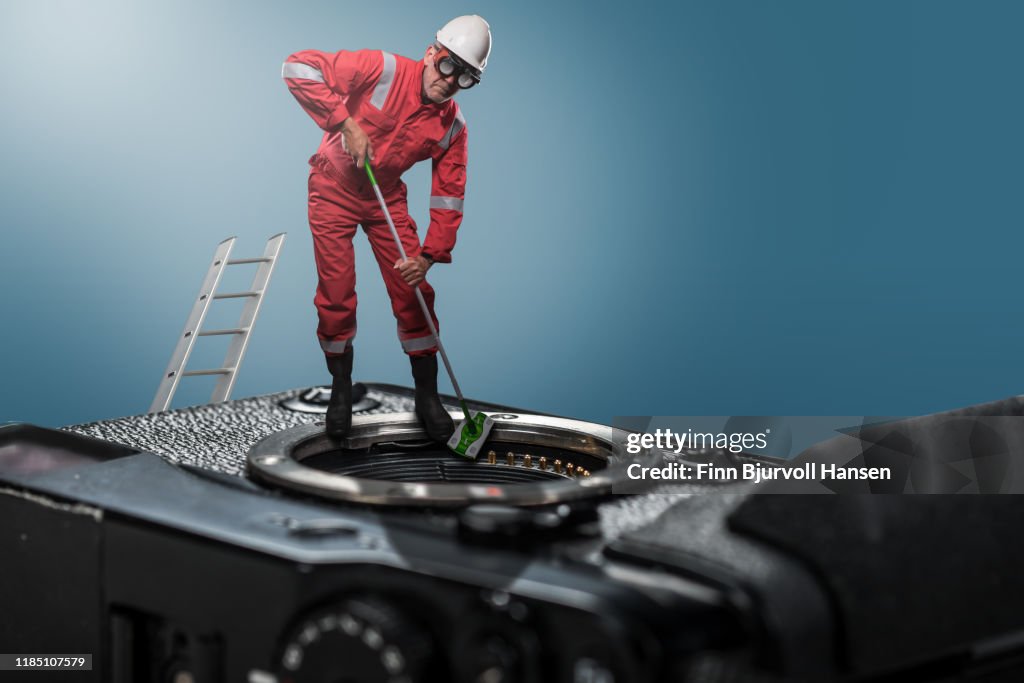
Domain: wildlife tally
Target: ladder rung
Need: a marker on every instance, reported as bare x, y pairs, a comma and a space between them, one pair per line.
237, 330
239, 261
236, 295
218, 371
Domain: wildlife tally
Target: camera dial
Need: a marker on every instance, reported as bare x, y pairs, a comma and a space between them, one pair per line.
361, 640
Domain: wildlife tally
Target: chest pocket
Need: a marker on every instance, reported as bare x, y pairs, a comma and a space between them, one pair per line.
437, 136
377, 118
452, 132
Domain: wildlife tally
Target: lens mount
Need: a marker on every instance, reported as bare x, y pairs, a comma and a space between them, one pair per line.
388, 460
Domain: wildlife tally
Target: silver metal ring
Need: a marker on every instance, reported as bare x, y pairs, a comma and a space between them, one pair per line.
278, 460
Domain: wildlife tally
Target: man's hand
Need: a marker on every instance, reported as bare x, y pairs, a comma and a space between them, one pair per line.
413, 270
356, 142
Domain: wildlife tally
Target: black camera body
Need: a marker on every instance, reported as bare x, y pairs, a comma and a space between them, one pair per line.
354, 563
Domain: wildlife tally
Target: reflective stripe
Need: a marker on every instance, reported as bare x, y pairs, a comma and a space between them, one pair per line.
419, 344
304, 71
339, 346
457, 125
453, 203
380, 93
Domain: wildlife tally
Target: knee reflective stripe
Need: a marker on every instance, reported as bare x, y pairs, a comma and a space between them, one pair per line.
457, 125
453, 203
339, 346
303, 71
418, 344
380, 93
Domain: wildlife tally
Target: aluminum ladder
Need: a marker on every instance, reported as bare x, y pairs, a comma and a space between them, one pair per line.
236, 349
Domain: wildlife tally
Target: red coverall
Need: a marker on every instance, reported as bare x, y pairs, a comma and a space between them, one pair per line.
382, 92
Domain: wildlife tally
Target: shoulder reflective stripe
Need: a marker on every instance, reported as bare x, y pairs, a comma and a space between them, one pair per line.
380, 93
419, 344
335, 346
446, 203
303, 71
457, 125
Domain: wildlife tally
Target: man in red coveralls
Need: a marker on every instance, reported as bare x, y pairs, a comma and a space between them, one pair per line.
393, 111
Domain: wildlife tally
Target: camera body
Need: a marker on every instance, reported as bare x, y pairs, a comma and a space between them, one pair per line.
145, 548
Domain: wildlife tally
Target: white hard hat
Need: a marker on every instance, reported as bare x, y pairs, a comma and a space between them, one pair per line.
468, 38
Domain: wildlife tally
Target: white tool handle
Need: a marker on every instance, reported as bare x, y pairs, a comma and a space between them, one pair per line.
423, 303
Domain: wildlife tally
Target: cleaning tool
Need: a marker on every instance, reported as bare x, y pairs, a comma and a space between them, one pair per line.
471, 433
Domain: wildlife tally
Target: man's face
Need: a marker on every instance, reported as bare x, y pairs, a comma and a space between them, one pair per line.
436, 87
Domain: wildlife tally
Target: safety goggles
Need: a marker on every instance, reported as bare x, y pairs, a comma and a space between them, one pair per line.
448, 64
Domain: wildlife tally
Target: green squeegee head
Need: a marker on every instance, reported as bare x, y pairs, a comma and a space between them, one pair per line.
469, 438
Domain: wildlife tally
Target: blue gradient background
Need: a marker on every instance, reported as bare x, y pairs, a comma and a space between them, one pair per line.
696, 208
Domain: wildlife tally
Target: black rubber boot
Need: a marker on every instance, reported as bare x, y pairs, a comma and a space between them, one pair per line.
435, 418
339, 410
